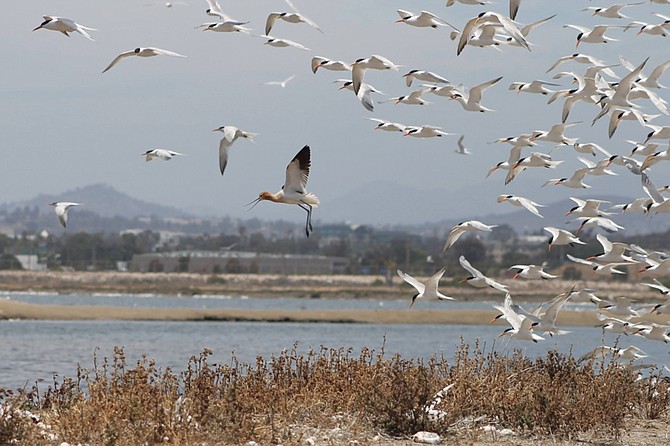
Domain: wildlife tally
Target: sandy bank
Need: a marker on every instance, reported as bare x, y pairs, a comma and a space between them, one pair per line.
11, 309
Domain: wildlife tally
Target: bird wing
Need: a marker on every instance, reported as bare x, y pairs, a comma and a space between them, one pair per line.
433, 282
165, 52
316, 61
357, 73
578, 28
513, 31
469, 268
466, 34
365, 96
581, 261
528, 28
514, 8
214, 7
475, 94
224, 147
420, 287
604, 242
529, 206
455, 233
269, 23
650, 189
119, 58
658, 71
297, 171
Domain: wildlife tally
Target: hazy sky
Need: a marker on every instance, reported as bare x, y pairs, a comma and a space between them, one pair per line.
64, 124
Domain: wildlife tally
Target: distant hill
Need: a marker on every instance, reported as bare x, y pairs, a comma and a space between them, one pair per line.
106, 209
104, 201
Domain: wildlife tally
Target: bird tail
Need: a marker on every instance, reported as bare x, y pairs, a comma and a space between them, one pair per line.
249, 136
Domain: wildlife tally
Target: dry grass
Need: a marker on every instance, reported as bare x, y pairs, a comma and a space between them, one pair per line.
287, 398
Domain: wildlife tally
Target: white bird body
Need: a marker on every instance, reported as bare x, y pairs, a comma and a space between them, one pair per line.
294, 189
425, 131
388, 125
598, 222
327, 64
535, 87
163, 154
226, 27
562, 237
283, 43
423, 75
658, 132
65, 26
654, 332
574, 182
364, 94
414, 98
427, 289
531, 272
612, 252
593, 35
230, 135
555, 134
466, 226
61, 208
424, 19
142, 52
525, 203
587, 208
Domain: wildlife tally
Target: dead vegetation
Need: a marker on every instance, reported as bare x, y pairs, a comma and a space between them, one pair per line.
351, 396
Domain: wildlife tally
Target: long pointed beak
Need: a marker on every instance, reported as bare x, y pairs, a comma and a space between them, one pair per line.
515, 276
39, 27
253, 203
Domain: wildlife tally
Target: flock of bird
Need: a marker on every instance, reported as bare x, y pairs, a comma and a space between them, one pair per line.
617, 90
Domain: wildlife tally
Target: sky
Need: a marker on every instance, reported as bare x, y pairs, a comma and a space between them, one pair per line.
65, 124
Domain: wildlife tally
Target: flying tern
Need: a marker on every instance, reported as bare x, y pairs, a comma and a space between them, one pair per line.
64, 26
462, 228
163, 154
472, 100
525, 203
424, 19
230, 135
142, 52
61, 208
427, 289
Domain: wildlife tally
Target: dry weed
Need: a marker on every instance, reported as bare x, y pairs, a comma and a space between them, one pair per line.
287, 397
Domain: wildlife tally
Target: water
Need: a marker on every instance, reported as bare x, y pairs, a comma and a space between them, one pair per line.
35, 350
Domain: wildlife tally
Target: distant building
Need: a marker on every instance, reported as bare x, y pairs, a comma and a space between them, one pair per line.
30, 262
208, 262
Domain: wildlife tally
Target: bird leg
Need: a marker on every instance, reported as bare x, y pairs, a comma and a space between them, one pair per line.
308, 223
